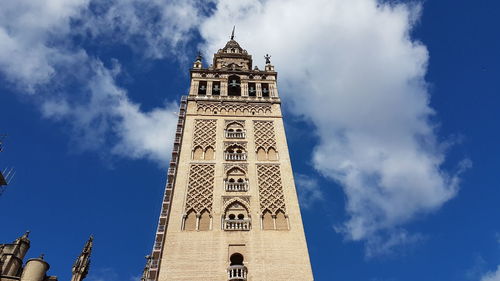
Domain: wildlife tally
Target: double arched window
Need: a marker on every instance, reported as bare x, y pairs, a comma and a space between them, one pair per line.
193, 221
235, 153
236, 181
236, 217
270, 154
203, 154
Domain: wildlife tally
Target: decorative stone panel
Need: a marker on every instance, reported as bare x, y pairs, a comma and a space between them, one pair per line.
200, 188
270, 188
234, 108
264, 134
243, 144
240, 122
229, 166
204, 133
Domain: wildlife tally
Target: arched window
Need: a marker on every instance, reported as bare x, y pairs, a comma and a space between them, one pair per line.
236, 181
261, 154
209, 153
204, 223
272, 155
190, 221
281, 222
235, 131
235, 153
234, 86
202, 88
216, 87
198, 153
236, 217
252, 90
267, 221
236, 269
265, 89
236, 259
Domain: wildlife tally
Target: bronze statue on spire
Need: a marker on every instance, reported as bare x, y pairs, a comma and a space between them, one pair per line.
268, 58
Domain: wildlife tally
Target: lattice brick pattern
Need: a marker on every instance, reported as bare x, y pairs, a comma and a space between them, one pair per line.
200, 188
204, 133
264, 134
234, 108
270, 188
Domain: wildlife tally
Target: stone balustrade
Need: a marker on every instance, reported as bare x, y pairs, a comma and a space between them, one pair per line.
236, 186
235, 135
237, 273
235, 156
243, 224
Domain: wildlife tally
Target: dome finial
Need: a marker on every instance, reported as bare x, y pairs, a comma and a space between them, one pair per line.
232, 34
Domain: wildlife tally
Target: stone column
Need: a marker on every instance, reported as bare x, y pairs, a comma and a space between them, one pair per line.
209, 88
258, 89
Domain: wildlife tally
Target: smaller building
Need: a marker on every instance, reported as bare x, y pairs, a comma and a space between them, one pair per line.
12, 256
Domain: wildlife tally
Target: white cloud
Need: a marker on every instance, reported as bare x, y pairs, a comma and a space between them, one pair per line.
353, 71
492, 276
309, 190
38, 56
153, 28
347, 66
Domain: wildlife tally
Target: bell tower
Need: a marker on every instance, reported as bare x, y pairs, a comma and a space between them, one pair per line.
230, 209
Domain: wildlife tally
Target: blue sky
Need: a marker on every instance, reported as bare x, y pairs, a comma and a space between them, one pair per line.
89, 89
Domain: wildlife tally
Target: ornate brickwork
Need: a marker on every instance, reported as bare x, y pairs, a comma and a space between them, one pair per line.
229, 166
240, 122
200, 188
264, 134
228, 200
234, 108
204, 133
270, 188
243, 144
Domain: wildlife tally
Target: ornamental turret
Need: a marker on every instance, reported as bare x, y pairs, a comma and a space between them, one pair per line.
82, 264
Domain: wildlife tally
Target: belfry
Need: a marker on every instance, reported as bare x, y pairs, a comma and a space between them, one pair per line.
230, 209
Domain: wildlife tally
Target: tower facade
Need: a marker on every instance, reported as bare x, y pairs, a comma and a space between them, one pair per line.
230, 210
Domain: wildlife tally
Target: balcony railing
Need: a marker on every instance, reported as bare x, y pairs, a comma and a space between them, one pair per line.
236, 224
236, 186
161, 228
235, 156
235, 135
171, 171
237, 272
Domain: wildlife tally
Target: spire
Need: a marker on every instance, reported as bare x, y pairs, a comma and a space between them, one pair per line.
23, 238
232, 34
82, 263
